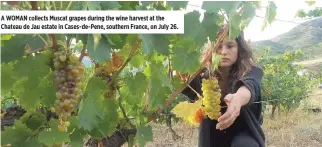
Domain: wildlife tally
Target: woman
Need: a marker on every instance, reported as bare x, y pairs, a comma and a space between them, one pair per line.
239, 79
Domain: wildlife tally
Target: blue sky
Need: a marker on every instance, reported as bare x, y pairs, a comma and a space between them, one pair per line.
286, 10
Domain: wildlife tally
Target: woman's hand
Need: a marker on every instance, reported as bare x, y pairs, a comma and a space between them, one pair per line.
233, 110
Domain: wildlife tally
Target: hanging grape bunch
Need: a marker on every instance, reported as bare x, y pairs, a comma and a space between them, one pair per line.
106, 70
69, 78
211, 97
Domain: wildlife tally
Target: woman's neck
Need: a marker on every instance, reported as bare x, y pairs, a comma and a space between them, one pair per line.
224, 72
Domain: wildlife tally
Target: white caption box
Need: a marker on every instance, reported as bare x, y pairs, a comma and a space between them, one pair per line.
87, 22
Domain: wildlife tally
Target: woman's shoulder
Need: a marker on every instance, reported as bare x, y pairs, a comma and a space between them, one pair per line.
255, 71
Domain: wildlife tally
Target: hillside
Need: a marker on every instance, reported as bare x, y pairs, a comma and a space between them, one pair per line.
306, 36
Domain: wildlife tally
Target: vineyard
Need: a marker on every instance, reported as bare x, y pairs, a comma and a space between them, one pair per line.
50, 98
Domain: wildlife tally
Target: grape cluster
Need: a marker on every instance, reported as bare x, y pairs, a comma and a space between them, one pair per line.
211, 97
113, 65
105, 71
69, 79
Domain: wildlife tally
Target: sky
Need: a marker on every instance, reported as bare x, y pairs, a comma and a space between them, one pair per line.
286, 10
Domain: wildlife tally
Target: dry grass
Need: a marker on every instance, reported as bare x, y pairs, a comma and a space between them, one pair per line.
297, 128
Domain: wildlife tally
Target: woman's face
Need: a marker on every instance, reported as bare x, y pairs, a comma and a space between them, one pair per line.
229, 50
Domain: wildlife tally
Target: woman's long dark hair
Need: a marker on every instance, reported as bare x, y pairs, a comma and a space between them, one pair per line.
245, 60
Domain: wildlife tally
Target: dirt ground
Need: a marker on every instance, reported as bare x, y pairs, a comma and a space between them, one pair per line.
298, 128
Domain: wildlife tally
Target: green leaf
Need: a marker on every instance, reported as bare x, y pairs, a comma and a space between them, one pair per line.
76, 138
137, 60
33, 119
185, 51
7, 79
18, 135
54, 136
91, 108
159, 90
248, 14
200, 31
112, 5
48, 90
215, 6
158, 42
177, 4
133, 81
144, 134
107, 126
102, 53
270, 14
13, 49
92, 5
82, 37
33, 71
234, 25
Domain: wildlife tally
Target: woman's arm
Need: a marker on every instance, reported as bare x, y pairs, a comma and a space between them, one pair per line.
247, 91
248, 88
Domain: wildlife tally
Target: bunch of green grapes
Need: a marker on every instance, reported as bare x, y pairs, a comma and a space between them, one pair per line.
69, 79
211, 98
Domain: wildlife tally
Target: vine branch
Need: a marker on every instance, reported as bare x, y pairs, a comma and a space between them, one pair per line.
178, 91
34, 5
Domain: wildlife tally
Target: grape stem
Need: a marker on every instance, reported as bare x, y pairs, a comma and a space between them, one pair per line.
131, 54
69, 5
199, 96
82, 53
45, 42
178, 91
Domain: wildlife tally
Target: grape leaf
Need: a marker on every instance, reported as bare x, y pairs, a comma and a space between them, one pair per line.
186, 57
77, 134
144, 134
159, 92
128, 5
102, 53
187, 111
137, 60
53, 136
111, 5
93, 5
215, 6
82, 37
177, 4
48, 90
6, 37
133, 81
200, 31
33, 120
7, 80
234, 25
13, 49
33, 70
270, 14
158, 42
91, 109
18, 135
247, 15
107, 126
